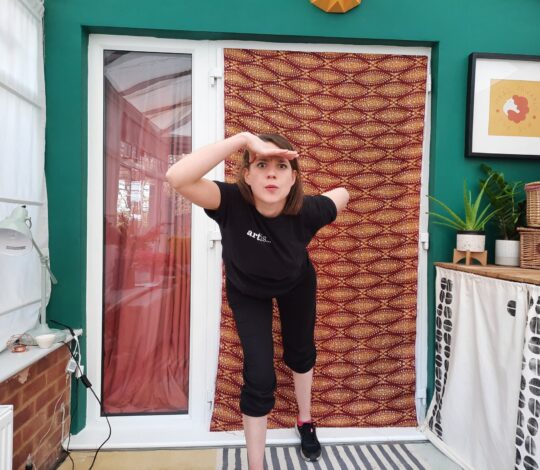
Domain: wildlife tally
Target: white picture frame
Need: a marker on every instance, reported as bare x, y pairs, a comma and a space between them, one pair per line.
503, 106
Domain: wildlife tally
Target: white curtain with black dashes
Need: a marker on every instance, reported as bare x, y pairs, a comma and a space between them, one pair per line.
480, 331
527, 441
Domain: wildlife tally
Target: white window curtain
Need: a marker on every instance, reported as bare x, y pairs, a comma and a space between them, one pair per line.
22, 148
487, 365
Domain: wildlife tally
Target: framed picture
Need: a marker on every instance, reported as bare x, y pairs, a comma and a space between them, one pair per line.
503, 106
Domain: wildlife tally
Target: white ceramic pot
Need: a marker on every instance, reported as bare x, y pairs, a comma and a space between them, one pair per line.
471, 241
45, 341
507, 252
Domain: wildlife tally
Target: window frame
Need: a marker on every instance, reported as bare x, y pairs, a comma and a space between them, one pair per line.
192, 429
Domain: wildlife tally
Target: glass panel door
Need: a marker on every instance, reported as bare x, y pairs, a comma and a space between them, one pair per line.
147, 234
141, 284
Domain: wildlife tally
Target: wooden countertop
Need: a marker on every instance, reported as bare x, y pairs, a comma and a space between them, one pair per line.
528, 276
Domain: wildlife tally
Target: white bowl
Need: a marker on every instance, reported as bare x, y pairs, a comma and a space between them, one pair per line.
45, 341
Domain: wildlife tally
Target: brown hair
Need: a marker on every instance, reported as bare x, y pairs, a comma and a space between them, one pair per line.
295, 198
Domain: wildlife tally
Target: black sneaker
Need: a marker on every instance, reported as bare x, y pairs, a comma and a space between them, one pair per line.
310, 448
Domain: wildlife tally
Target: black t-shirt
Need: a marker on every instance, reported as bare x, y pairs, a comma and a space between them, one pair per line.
263, 256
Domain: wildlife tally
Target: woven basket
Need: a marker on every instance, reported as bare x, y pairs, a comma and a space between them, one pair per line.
529, 248
532, 190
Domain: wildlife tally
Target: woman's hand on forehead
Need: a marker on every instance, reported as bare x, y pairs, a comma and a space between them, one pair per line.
273, 152
260, 149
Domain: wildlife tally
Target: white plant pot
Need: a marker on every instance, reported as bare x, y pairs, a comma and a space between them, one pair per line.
471, 241
507, 252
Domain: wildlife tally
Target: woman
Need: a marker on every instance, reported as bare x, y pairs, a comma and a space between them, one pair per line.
266, 224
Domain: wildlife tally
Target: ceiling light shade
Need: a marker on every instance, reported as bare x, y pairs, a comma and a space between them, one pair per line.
336, 6
15, 235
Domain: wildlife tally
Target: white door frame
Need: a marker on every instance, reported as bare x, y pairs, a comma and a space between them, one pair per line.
159, 431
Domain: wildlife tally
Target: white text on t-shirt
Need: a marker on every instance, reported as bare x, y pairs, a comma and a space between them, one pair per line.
259, 237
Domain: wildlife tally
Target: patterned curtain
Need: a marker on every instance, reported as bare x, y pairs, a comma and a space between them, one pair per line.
357, 121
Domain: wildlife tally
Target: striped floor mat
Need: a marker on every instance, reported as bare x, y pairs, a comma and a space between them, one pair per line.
336, 457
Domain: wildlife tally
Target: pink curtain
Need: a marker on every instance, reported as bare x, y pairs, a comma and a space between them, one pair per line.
147, 261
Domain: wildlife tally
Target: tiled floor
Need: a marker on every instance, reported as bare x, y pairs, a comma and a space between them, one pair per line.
204, 459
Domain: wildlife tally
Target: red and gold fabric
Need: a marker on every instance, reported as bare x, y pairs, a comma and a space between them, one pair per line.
358, 122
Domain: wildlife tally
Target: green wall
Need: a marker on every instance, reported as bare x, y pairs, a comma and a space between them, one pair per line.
454, 29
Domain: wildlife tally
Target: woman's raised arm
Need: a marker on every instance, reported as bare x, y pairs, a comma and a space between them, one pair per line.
186, 175
340, 196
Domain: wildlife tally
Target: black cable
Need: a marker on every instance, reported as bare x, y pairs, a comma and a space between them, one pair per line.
75, 409
88, 385
110, 429
71, 330
72, 412
70, 457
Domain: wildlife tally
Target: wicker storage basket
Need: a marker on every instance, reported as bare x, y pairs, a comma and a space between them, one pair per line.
532, 190
529, 248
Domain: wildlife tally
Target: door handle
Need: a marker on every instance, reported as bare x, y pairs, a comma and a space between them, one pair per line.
213, 237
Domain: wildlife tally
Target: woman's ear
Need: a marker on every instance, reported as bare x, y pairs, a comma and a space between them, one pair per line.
245, 172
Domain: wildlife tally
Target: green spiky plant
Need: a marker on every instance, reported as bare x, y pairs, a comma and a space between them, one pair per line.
508, 198
475, 218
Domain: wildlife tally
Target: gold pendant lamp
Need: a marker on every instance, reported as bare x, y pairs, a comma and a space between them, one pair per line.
336, 6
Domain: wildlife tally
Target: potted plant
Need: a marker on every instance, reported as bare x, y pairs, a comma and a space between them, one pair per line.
509, 200
470, 230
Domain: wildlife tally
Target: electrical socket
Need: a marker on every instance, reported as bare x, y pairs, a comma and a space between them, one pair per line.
71, 366
79, 371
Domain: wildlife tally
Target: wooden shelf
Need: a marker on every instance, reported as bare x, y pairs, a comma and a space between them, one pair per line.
528, 276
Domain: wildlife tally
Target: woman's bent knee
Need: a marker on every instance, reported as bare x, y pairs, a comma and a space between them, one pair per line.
257, 402
301, 364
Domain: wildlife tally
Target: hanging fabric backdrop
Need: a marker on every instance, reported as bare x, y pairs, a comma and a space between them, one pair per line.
357, 121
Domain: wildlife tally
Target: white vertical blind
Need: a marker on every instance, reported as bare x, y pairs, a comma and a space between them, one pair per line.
22, 147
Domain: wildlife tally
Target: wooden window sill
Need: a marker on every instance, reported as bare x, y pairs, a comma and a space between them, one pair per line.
507, 273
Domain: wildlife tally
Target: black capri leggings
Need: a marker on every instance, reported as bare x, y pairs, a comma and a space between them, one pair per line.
253, 317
